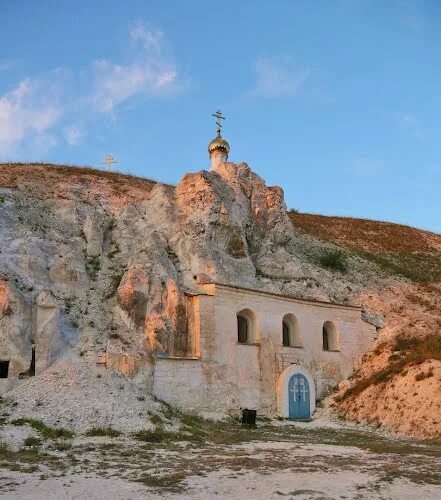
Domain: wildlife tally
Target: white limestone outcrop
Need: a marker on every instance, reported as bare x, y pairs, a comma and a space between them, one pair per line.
117, 261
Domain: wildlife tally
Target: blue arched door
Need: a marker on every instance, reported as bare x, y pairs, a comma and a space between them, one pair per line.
298, 397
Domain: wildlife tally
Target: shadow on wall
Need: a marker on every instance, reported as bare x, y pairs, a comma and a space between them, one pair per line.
330, 337
34, 348
246, 327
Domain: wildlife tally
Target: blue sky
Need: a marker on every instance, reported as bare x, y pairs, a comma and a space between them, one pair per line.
337, 101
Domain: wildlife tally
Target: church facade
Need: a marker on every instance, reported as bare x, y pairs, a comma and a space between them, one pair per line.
262, 351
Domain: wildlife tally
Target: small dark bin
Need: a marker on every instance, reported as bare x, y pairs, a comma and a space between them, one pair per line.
249, 417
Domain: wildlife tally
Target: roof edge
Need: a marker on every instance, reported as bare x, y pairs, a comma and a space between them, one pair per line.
281, 296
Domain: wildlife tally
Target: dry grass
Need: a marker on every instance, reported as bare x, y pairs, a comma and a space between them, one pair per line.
11, 171
151, 436
28, 459
412, 351
365, 235
334, 259
396, 249
66, 181
417, 350
167, 482
45, 431
103, 431
168, 466
419, 267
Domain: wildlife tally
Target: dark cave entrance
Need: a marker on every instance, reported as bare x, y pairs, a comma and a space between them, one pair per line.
32, 366
4, 369
31, 371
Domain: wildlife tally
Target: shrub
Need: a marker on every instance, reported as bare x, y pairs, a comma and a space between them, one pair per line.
293, 211
170, 482
32, 441
62, 445
155, 419
168, 410
43, 429
2, 200
115, 281
191, 420
93, 266
68, 304
103, 431
423, 375
4, 450
394, 357
336, 260
419, 349
112, 253
155, 436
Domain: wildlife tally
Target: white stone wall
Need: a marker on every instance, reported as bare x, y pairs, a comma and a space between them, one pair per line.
229, 376
177, 381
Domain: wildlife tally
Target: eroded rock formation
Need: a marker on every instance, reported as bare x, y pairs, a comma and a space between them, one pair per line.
121, 256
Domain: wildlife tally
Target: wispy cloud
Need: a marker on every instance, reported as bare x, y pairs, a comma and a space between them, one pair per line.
28, 113
409, 122
278, 77
151, 38
72, 134
37, 114
152, 71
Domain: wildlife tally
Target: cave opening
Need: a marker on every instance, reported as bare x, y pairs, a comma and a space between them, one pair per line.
4, 369
32, 366
31, 371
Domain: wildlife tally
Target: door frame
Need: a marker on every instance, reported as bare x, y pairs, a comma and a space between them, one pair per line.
282, 389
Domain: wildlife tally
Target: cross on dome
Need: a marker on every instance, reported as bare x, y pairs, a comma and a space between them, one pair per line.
219, 117
218, 148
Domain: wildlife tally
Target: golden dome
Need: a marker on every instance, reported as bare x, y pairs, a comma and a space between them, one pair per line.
218, 143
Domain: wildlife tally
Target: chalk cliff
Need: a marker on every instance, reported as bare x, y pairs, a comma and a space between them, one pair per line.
99, 263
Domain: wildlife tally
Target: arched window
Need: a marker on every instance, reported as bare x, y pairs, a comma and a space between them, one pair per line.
291, 331
246, 327
330, 337
242, 330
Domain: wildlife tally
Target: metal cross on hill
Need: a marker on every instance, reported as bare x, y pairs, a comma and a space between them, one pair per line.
109, 160
219, 117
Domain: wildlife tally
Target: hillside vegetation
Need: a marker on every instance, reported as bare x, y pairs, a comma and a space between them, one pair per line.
398, 383
397, 249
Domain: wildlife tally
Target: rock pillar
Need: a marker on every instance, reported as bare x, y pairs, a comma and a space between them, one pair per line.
47, 331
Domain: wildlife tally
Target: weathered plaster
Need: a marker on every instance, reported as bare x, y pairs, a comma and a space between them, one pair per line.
230, 376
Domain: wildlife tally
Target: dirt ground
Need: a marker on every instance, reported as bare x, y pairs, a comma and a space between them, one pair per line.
221, 460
